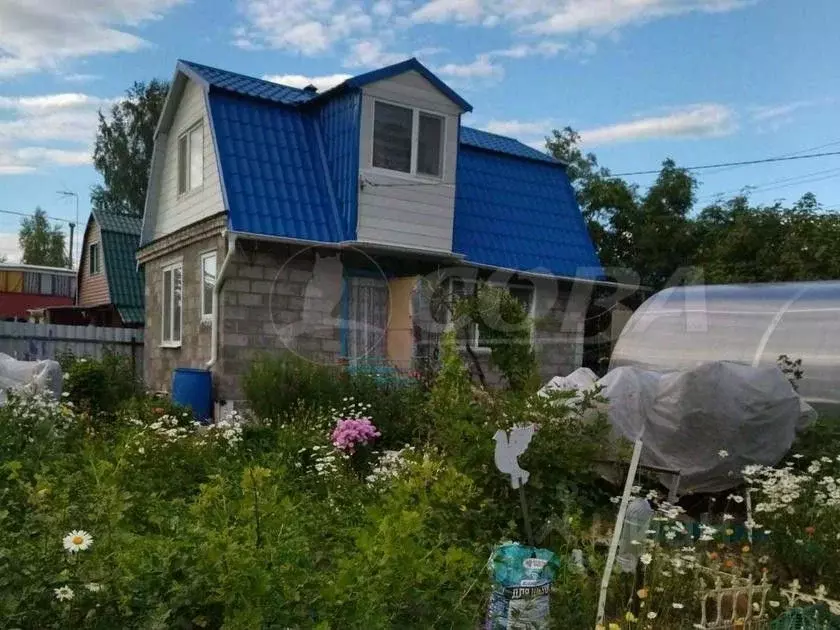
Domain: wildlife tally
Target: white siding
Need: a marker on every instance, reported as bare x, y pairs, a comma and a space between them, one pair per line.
400, 212
173, 211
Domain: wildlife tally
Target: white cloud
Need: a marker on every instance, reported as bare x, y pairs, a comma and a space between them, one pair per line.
565, 16
47, 33
520, 51
783, 111
371, 54
80, 77
9, 245
446, 10
481, 68
30, 127
603, 15
696, 121
306, 26
518, 128
300, 81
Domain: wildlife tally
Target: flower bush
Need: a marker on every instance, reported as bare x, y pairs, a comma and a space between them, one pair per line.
330, 513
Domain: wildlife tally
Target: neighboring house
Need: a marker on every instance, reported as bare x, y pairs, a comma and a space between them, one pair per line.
327, 223
110, 284
28, 288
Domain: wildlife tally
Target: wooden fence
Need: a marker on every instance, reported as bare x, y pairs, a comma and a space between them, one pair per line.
31, 342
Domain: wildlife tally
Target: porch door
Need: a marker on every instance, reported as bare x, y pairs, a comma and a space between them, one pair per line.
367, 319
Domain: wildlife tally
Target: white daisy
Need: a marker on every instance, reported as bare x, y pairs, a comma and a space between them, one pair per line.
723, 453
646, 558
63, 593
677, 606
93, 587
651, 615
77, 540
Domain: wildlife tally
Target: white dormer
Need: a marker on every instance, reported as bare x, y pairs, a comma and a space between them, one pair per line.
408, 150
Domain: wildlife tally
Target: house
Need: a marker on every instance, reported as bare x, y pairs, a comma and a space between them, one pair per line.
110, 285
28, 288
326, 223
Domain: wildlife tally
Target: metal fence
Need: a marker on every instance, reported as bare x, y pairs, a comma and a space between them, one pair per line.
32, 342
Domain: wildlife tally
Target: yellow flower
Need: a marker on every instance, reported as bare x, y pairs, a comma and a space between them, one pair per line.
642, 593
630, 617
730, 531
745, 549
615, 626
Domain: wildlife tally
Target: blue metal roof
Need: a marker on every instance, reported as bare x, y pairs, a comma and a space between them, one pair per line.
245, 85
502, 144
520, 214
274, 170
292, 170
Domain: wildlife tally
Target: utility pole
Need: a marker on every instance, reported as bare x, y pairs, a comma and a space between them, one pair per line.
69, 193
70, 258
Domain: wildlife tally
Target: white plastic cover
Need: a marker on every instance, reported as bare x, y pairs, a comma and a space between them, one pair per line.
682, 327
708, 422
43, 377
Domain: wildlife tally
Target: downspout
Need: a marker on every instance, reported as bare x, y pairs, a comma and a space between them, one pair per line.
217, 292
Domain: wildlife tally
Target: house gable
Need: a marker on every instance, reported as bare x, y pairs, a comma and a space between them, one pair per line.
408, 209
168, 209
92, 289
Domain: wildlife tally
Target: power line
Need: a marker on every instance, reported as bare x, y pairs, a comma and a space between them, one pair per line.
771, 185
783, 155
31, 214
743, 163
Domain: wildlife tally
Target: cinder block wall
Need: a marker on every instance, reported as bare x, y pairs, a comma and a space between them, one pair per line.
160, 361
277, 298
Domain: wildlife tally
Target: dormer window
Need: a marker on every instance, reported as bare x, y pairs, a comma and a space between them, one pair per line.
407, 140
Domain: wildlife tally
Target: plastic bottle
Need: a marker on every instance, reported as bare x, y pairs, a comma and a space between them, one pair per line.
632, 543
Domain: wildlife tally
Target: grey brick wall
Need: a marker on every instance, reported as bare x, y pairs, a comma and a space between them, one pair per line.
280, 298
159, 361
277, 298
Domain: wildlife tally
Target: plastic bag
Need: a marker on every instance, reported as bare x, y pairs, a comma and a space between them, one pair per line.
41, 377
522, 578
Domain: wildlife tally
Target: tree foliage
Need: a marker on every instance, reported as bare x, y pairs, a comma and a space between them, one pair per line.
123, 150
41, 243
661, 233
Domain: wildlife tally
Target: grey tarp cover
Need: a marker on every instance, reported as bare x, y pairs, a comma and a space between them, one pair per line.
44, 377
708, 422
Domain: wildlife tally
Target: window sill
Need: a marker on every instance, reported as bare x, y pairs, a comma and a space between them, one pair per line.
413, 177
189, 193
171, 345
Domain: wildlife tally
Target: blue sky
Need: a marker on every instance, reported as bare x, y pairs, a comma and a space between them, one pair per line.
702, 81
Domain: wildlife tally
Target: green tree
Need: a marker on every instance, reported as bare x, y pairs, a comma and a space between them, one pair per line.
739, 242
41, 243
651, 233
123, 149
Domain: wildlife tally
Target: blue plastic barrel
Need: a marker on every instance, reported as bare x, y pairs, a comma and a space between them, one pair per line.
193, 388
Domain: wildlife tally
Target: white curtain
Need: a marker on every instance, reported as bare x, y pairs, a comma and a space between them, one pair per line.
367, 319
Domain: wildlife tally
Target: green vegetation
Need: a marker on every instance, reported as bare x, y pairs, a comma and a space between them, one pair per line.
119, 512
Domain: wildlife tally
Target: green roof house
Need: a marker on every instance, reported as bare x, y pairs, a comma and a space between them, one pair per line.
110, 289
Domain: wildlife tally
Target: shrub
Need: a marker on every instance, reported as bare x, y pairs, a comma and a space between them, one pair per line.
99, 386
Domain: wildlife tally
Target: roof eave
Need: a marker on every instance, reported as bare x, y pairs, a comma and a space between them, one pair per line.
393, 70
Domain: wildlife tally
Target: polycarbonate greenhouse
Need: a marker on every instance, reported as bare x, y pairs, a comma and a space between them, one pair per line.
682, 327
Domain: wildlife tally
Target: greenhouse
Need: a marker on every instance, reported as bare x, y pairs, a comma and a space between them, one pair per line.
682, 327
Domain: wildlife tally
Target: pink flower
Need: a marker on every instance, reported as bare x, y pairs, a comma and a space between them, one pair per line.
352, 432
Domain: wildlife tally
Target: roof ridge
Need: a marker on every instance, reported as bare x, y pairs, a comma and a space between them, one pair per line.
240, 74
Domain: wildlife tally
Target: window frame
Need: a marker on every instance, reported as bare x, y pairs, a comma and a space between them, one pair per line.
184, 161
415, 141
204, 256
475, 334
167, 337
91, 270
